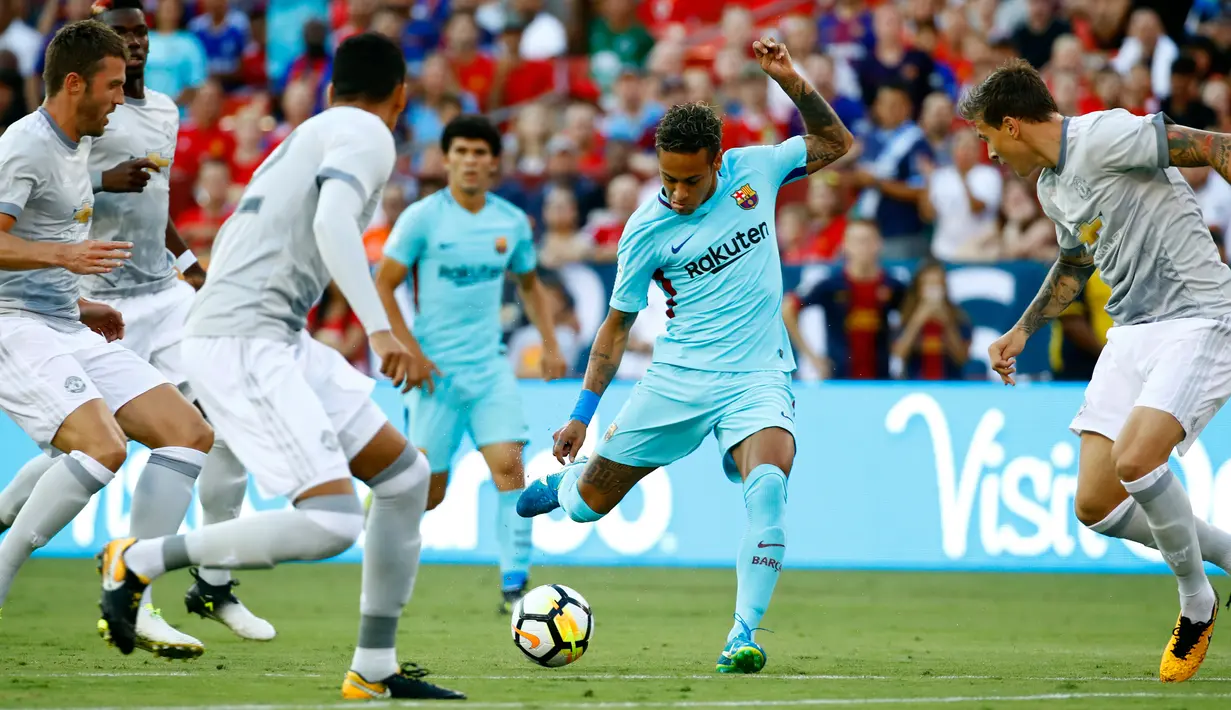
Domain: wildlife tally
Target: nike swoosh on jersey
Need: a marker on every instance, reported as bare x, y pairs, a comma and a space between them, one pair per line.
770, 544
676, 250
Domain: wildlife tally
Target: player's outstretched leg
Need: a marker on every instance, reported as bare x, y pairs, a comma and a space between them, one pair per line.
504, 460
1140, 454
160, 502
222, 487
390, 565
757, 567
18, 491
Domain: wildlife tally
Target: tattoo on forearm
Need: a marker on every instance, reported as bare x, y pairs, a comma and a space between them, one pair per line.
1061, 287
604, 362
1190, 148
827, 138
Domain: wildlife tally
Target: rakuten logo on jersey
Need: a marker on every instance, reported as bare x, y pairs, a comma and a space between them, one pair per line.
470, 275
723, 255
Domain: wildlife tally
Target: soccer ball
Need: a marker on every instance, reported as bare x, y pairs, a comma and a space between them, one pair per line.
552, 625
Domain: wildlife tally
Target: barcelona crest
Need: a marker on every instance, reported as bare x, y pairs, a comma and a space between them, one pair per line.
502, 245
745, 197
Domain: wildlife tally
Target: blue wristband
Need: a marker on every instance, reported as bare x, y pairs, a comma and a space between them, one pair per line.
583, 411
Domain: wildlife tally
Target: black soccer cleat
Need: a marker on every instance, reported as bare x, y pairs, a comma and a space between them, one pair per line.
121, 596
407, 683
218, 602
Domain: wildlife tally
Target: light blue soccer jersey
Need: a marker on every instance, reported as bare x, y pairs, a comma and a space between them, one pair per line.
719, 267
457, 261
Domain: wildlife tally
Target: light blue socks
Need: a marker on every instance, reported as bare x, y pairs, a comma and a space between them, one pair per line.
570, 498
513, 532
763, 547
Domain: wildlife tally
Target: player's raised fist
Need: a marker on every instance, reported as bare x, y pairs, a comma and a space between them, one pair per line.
102, 319
569, 439
1003, 353
775, 60
94, 257
129, 176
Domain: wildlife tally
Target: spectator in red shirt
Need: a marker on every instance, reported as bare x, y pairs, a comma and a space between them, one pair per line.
517, 80
252, 64
475, 71
199, 225
296, 108
249, 146
623, 198
200, 138
356, 18
935, 340
749, 115
581, 127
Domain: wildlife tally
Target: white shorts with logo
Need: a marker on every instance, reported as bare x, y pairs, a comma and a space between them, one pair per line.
1182, 367
154, 327
294, 413
46, 374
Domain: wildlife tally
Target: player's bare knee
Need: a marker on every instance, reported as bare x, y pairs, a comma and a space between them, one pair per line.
1091, 510
198, 435
1133, 463
107, 450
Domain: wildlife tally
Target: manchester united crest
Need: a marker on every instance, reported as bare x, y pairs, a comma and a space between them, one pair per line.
502, 245
746, 197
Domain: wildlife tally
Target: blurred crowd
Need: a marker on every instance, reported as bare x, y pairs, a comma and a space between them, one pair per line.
578, 86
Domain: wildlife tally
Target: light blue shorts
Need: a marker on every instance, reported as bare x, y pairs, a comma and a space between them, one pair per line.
674, 408
479, 400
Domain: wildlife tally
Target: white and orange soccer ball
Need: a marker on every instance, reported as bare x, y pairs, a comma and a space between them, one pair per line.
552, 625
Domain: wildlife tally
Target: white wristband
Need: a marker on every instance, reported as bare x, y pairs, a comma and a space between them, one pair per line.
185, 261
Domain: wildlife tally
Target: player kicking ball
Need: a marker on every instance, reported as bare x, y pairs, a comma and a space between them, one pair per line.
459, 242
131, 200
1110, 184
708, 240
294, 412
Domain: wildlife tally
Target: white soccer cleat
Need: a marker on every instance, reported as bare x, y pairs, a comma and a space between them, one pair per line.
158, 637
244, 623
219, 603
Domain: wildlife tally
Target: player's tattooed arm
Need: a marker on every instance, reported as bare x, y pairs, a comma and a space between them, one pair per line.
827, 138
608, 350
1061, 287
1190, 148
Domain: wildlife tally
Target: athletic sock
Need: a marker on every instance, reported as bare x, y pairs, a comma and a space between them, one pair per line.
513, 533
764, 545
57, 498
1170, 516
570, 498
222, 486
315, 529
390, 560
17, 492
1128, 522
163, 494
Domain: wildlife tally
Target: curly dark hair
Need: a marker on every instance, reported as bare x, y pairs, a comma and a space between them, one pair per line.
79, 48
1014, 90
474, 127
688, 128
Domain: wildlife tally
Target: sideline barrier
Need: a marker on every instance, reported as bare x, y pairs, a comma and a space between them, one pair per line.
965, 476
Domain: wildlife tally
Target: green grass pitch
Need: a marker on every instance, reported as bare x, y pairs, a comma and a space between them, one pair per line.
842, 639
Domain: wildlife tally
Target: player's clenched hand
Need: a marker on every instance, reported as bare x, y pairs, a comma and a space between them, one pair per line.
102, 319
775, 60
554, 365
1003, 354
129, 176
569, 439
93, 257
395, 360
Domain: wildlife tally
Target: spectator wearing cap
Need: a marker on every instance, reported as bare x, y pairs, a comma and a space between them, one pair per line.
631, 115
1146, 44
224, 34
176, 63
892, 61
617, 40
1033, 38
517, 79
1184, 105
891, 176
544, 36
474, 70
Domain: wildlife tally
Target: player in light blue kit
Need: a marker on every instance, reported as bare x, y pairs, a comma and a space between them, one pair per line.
724, 365
453, 249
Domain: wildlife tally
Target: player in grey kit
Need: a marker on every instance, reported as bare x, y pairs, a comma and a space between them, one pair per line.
77, 395
296, 413
130, 166
1111, 186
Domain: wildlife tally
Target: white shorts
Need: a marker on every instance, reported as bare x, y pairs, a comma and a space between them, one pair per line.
45, 375
294, 413
1182, 367
154, 327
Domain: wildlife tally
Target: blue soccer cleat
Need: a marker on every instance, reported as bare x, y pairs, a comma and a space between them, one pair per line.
741, 654
543, 496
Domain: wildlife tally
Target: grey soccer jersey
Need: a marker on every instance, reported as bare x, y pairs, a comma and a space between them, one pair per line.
140, 128
1113, 190
266, 271
45, 185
